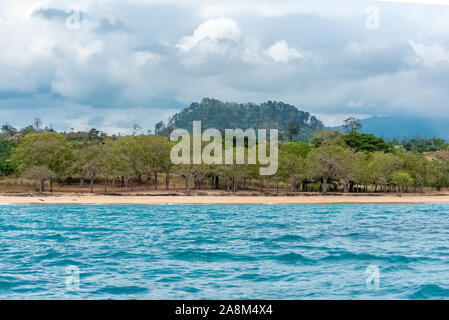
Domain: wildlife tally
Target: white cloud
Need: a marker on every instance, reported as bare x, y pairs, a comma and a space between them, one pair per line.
215, 29
355, 104
143, 57
430, 55
337, 119
47, 68
280, 52
278, 8
85, 52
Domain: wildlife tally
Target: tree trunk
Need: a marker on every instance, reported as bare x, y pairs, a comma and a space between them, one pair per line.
167, 181
324, 185
51, 185
187, 183
155, 180
91, 185
41, 185
147, 180
217, 182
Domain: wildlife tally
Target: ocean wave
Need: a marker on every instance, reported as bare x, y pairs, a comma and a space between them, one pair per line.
49, 255
347, 255
430, 291
205, 241
122, 290
56, 236
294, 258
209, 256
7, 282
290, 238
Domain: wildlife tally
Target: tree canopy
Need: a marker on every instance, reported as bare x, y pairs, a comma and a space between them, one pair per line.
213, 113
365, 142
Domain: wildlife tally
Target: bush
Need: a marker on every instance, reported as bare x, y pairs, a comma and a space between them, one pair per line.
402, 179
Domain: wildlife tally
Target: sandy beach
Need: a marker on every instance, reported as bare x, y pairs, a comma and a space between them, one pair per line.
213, 198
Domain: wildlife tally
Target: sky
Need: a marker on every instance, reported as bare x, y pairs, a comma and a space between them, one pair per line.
111, 64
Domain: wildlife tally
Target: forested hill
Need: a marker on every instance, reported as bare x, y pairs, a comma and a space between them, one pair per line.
269, 115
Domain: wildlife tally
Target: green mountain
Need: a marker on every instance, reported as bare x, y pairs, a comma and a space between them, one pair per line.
229, 115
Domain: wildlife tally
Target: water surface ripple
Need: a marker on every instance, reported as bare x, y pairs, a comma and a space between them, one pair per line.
224, 251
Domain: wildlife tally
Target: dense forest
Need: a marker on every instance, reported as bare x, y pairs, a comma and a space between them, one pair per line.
333, 161
291, 122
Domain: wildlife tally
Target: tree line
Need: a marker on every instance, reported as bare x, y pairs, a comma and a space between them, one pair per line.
332, 162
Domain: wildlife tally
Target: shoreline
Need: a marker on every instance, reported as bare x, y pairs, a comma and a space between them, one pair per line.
213, 198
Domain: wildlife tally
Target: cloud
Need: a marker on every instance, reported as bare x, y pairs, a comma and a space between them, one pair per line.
107, 26
56, 14
51, 14
337, 119
273, 9
354, 104
141, 58
430, 55
316, 55
280, 52
215, 29
67, 116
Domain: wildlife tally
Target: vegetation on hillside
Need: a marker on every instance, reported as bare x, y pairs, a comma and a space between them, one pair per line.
292, 123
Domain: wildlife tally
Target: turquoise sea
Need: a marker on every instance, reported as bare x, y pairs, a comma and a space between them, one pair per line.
225, 252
